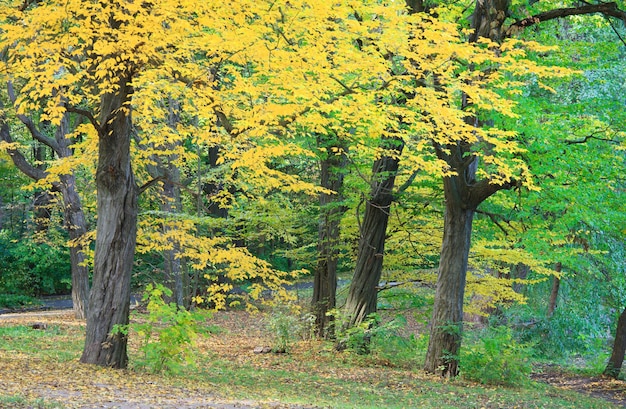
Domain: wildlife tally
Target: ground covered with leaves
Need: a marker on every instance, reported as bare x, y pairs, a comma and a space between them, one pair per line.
39, 368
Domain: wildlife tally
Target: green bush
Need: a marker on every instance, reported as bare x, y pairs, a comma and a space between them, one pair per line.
32, 268
496, 358
286, 324
16, 301
168, 334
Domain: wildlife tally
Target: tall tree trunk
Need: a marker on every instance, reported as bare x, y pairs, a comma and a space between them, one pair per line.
166, 170
76, 226
614, 366
363, 293
554, 293
325, 279
173, 263
116, 234
447, 318
463, 194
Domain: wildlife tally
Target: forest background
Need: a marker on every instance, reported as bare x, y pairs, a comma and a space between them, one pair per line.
467, 157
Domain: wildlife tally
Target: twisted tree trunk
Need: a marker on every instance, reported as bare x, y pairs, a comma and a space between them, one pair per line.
363, 293
109, 300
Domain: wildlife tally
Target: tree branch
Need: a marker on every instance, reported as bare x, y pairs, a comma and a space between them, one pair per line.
483, 189
586, 138
608, 9
492, 216
84, 113
150, 183
408, 182
16, 156
30, 124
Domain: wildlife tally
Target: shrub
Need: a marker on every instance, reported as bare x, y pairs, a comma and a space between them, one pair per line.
167, 337
496, 359
16, 301
32, 268
287, 324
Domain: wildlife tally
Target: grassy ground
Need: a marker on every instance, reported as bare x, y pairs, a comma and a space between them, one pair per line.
39, 368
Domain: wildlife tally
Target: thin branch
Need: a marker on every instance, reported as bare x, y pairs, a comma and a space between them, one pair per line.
408, 182
30, 124
423, 283
150, 183
492, 216
587, 138
347, 89
19, 160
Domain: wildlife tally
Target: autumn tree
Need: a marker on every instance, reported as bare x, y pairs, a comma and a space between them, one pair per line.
59, 180
464, 191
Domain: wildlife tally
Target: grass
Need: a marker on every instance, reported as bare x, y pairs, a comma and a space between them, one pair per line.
35, 362
19, 402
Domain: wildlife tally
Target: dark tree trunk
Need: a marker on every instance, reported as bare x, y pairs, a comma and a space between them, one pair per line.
76, 226
116, 234
554, 293
463, 194
331, 210
363, 293
42, 201
447, 319
166, 170
614, 366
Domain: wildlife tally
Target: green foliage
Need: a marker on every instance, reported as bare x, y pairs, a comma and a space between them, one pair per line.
168, 335
371, 335
17, 301
565, 334
287, 324
33, 268
496, 358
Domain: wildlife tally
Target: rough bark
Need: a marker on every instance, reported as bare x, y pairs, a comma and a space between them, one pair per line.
363, 293
325, 278
614, 366
447, 318
116, 234
76, 226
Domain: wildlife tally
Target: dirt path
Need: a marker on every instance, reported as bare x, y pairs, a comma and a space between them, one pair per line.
597, 386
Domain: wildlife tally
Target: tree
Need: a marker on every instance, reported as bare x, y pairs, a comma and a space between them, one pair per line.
464, 193
87, 57
331, 210
65, 184
614, 365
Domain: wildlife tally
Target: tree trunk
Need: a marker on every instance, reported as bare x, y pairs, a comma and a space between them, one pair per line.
76, 226
554, 293
614, 366
73, 213
116, 234
447, 319
325, 279
463, 194
173, 263
363, 293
